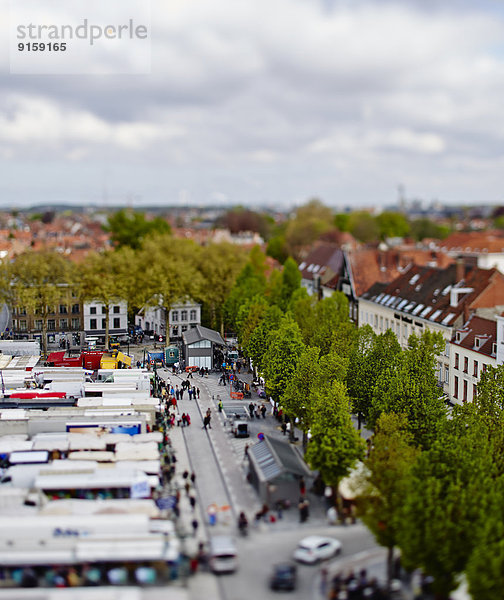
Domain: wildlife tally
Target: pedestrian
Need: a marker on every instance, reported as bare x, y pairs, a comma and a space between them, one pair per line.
220, 405
193, 478
184, 420
302, 487
190, 393
246, 452
192, 502
195, 526
284, 428
251, 410
188, 419
206, 422
185, 474
263, 411
197, 392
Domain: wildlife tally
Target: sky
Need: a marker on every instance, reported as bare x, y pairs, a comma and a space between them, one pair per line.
269, 103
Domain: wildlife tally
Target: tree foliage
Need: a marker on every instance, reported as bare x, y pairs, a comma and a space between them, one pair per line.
130, 228
280, 359
334, 445
409, 386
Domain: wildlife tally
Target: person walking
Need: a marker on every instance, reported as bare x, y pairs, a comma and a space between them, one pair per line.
263, 411
251, 410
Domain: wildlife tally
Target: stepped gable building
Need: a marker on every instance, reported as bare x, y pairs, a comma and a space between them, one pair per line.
431, 298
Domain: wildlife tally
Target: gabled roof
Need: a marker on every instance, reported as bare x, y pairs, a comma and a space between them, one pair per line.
477, 334
322, 258
440, 295
275, 457
198, 333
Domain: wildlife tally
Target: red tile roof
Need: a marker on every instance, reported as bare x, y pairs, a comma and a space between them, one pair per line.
477, 334
441, 295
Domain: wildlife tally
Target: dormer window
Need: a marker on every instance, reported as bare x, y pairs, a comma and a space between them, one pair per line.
494, 348
458, 337
476, 343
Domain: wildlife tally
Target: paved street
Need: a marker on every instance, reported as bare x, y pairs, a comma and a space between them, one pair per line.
217, 458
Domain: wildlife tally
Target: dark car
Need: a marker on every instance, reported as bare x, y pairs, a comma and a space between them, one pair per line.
284, 577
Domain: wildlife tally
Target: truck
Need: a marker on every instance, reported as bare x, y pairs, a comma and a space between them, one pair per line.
89, 359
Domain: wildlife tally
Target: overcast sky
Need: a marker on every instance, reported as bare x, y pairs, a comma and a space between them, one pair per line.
271, 102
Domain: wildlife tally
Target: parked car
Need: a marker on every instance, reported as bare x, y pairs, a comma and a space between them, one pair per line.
284, 577
223, 554
315, 548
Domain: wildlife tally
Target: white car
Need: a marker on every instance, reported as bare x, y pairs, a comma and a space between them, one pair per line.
315, 548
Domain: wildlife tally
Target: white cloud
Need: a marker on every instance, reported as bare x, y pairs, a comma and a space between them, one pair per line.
297, 99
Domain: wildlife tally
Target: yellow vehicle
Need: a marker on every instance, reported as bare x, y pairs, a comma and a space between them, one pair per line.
115, 360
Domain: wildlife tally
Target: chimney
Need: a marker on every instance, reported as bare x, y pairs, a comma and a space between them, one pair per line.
459, 270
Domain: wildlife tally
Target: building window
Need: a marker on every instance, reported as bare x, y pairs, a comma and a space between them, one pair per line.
117, 310
193, 315
381, 323
63, 323
456, 360
117, 322
398, 329
184, 328
104, 323
22, 311
484, 367
75, 323
63, 309
464, 398
175, 331
175, 315
51, 325
447, 349
466, 364
446, 375
183, 315
51, 310
440, 371
38, 324
475, 391
92, 324
103, 310
376, 321
405, 330
92, 310
75, 309
455, 391
475, 370
22, 325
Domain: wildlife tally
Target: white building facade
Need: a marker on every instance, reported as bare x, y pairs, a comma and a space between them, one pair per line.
183, 316
95, 318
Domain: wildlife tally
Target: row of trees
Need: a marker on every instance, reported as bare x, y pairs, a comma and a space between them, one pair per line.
161, 270
432, 484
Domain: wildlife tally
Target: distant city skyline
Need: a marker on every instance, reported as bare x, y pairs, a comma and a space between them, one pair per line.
270, 104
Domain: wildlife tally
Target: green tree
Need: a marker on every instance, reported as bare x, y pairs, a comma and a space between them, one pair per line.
219, 265
104, 278
363, 226
291, 281
130, 228
392, 224
372, 355
342, 221
260, 338
38, 282
250, 282
409, 386
279, 361
485, 567
384, 483
335, 445
277, 248
425, 228
309, 222
446, 504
